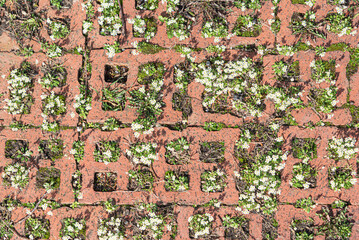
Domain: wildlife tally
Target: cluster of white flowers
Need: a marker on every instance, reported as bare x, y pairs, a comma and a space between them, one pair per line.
326, 99
53, 104
302, 173
233, 77
36, 227
142, 153
44, 81
310, 3
281, 100
284, 70
213, 181
110, 21
86, 5
177, 26
244, 140
72, 229
139, 24
171, 5
16, 175
341, 178
57, 29
20, 87
54, 51
216, 28
340, 23
141, 27
180, 143
176, 182
200, 224
321, 73
285, 50
81, 101
111, 51
180, 78
110, 229
76, 184
86, 26
153, 223
82, 104
147, 5
339, 148
48, 125
151, 98
107, 151
216, 48
262, 183
186, 52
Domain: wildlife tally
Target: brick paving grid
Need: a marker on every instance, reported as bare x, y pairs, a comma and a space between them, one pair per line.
322, 193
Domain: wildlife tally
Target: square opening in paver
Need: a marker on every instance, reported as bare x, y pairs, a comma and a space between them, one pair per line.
200, 225
341, 24
144, 27
17, 150
304, 176
212, 152
269, 227
306, 204
337, 223
215, 27
109, 18
150, 72
302, 229
178, 152
21, 86
48, 178
176, 181
342, 148
73, 229
16, 175
37, 228
116, 73
181, 101
154, 221
58, 28
51, 149
341, 177
147, 4
142, 153
323, 99
105, 182
248, 26
110, 227
182, 76
113, 98
107, 151
305, 25
287, 71
53, 104
140, 180
55, 75
323, 71
213, 180
178, 25
236, 227
304, 148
